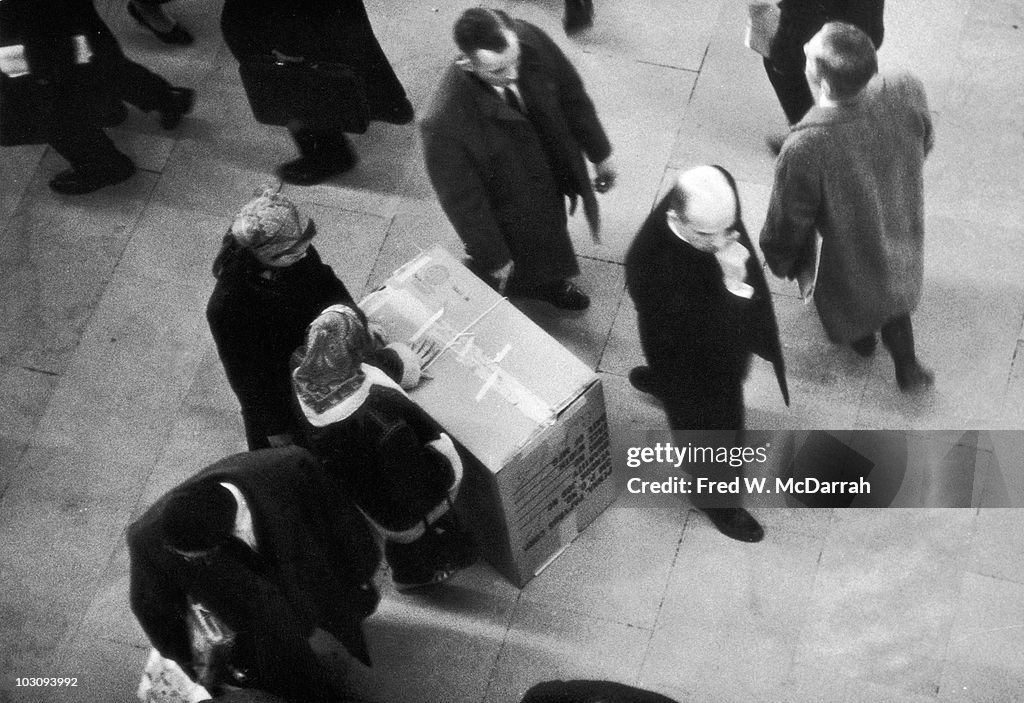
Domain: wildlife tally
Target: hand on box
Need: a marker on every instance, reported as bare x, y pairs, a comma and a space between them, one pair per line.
502, 274
426, 350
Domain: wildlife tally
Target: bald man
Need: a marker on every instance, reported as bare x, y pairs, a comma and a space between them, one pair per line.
703, 308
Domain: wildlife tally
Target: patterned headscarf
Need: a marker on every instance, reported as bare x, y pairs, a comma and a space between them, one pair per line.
329, 370
269, 226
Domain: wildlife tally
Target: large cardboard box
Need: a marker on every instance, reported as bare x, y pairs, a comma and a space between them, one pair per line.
529, 412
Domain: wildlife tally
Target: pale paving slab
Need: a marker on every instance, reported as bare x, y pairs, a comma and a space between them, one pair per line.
617, 569
639, 106
995, 551
16, 172
545, 643
583, 334
664, 33
57, 255
732, 612
437, 646
130, 370
733, 107
66, 499
24, 395
984, 660
886, 595
966, 333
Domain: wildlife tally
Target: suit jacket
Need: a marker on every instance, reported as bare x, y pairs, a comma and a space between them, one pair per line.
696, 335
502, 177
315, 561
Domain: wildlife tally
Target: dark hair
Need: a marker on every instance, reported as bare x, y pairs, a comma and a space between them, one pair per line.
481, 28
848, 61
199, 517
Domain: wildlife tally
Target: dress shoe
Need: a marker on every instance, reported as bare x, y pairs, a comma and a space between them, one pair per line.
319, 165
565, 295
85, 180
179, 103
399, 113
175, 35
579, 15
865, 346
642, 378
913, 377
735, 523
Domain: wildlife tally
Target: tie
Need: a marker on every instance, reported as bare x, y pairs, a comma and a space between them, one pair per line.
513, 100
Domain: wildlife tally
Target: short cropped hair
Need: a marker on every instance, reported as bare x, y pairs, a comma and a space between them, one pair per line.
848, 61
481, 28
199, 517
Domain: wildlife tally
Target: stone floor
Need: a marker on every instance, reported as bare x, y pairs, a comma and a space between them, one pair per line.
110, 389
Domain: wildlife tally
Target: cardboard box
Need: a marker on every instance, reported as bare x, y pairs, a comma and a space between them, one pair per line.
529, 412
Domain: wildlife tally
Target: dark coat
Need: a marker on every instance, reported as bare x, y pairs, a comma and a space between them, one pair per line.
318, 30
315, 564
379, 452
696, 335
799, 20
584, 691
855, 175
257, 323
90, 97
490, 169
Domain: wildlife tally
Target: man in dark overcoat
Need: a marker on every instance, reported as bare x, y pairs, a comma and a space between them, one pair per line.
275, 551
703, 307
504, 144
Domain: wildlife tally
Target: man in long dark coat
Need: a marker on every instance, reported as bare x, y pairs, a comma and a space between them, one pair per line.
504, 143
273, 550
703, 307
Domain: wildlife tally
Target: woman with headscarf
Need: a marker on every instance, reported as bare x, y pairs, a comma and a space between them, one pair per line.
270, 285
391, 458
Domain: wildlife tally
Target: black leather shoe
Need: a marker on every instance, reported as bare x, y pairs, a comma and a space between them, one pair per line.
865, 346
179, 104
914, 377
86, 180
579, 15
401, 113
642, 378
735, 523
318, 167
175, 35
565, 295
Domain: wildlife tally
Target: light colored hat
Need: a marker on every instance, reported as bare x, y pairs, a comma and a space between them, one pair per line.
710, 199
268, 224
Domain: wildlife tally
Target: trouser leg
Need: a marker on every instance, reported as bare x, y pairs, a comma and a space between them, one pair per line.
145, 89
791, 88
87, 148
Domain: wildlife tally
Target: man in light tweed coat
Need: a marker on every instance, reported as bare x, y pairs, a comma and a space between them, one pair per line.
851, 170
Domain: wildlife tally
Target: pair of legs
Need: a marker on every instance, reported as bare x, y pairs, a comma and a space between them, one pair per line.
898, 338
95, 161
712, 415
327, 153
